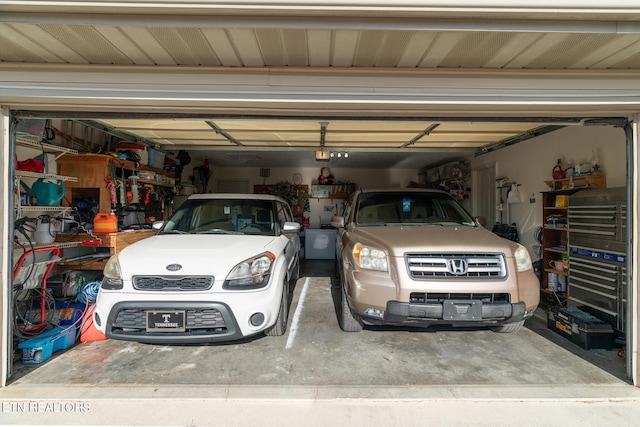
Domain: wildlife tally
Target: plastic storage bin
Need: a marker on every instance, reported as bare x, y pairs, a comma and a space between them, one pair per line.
320, 243
156, 158
40, 348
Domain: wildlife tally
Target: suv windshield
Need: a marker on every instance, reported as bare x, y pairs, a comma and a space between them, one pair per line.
389, 208
223, 216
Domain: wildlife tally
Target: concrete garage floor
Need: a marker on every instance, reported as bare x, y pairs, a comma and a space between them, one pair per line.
318, 375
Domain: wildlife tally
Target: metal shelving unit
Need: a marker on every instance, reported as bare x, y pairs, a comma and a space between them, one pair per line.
19, 175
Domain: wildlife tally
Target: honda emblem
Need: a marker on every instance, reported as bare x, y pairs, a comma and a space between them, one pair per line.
457, 266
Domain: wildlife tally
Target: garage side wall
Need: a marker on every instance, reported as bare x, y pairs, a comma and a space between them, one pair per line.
5, 184
530, 163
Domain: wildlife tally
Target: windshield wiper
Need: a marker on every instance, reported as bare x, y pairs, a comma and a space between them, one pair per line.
219, 231
373, 224
173, 232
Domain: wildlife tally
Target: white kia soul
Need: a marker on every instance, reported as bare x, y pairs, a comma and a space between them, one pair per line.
219, 269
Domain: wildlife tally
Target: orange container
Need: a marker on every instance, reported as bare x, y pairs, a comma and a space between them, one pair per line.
105, 223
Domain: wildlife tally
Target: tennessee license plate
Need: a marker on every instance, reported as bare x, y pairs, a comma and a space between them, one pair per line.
166, 321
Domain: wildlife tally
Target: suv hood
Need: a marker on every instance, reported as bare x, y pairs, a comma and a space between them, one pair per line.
397, 240
197, 254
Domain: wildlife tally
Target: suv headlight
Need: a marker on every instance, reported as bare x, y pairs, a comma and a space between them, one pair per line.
370, 258
251, 273
112, 279
523, 260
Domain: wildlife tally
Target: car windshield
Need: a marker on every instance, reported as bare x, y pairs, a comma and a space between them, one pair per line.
407, 208
223, 216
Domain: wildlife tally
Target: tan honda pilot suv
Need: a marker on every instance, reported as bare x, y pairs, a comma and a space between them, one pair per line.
416, 257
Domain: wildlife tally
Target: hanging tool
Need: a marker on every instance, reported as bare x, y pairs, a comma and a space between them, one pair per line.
122, 196
111, 185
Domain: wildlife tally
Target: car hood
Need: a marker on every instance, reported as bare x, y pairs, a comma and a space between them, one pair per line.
397, 240
196, 254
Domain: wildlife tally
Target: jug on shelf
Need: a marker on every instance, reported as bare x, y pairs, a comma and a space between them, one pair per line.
44, 233
47, 191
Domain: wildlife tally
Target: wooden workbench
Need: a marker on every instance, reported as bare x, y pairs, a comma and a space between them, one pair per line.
114, 241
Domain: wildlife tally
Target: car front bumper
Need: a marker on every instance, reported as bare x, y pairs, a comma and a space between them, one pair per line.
203, 322
452, 312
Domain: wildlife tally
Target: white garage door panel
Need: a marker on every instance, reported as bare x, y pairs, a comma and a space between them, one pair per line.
336, 92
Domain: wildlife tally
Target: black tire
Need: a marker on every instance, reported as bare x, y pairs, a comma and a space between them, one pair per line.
280, 327
508, 327
296, 272
348, 321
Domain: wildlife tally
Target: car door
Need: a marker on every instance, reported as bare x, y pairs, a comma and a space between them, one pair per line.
340, 234
292, 248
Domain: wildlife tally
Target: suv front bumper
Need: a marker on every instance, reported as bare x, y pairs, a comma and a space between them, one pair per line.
453, 312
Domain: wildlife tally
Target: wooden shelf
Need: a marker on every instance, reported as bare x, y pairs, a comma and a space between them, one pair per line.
581, 181
92, 170
558, 272
115, 241
546, 227
557, 251
331, 191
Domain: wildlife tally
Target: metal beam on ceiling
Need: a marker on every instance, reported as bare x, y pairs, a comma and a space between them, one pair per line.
219, 131
422, 134
118, 133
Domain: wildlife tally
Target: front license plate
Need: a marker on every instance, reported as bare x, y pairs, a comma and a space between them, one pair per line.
462, 310
165, 321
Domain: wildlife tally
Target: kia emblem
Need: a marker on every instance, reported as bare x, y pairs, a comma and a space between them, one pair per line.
174, 267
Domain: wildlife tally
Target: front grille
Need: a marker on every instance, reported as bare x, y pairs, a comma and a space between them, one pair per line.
172, 283
456, 266
439, 297
135, 318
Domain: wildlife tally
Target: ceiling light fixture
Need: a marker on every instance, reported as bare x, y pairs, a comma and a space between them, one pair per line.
322, 156
339, 154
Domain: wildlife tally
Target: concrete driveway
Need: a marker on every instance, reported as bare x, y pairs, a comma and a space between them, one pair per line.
316, 372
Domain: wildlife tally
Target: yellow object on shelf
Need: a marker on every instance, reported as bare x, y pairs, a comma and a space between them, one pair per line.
561, 201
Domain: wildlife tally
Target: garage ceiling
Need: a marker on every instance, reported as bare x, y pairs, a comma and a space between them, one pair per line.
321, 37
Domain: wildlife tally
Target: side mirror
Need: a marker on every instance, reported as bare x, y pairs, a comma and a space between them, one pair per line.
481, 221
290, 227
157, 225
337, 221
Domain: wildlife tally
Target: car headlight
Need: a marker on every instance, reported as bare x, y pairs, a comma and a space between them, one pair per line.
523, 260
251, 273
112, 279
370, 258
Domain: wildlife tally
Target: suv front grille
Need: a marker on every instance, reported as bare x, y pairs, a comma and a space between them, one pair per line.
456, 266
132, 318
169, 283
439, 297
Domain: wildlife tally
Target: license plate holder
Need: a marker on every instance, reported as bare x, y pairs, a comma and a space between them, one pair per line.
462, 310
166, 321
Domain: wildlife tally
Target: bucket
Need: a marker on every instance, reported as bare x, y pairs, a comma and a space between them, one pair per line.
105, 223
